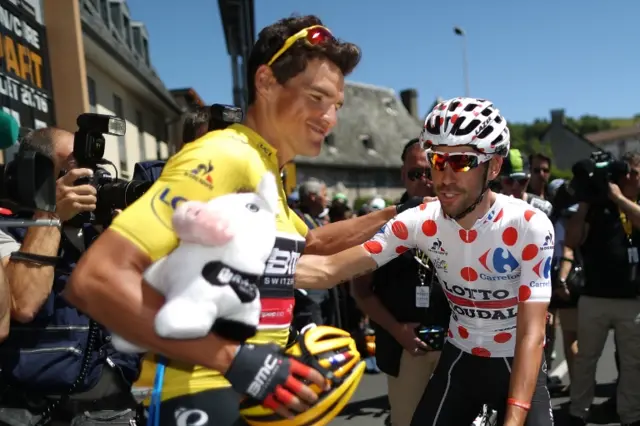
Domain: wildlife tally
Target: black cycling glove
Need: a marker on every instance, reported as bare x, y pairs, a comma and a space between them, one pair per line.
409, 204
266, 374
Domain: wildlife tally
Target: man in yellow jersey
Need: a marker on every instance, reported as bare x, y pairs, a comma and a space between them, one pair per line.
296, 86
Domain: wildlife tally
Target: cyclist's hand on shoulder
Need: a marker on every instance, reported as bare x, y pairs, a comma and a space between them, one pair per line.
72, 199
266, 374
405, 334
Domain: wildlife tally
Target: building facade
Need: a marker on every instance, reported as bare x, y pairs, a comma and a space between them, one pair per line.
97, 60
121, 81
361, 157
617, 141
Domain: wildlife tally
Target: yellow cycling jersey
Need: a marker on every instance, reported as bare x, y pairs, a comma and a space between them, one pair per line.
219, 163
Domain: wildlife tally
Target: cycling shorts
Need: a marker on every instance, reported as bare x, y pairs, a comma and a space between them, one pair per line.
219, 407
462, 383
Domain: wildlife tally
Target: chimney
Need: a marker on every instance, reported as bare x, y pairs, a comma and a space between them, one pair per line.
557, 117
409, 98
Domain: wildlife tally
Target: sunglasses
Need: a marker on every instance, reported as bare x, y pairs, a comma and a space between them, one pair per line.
458, 161
314, 35
540, 170
419, 173
510, 181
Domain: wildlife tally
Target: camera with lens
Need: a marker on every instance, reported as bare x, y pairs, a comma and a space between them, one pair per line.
222, 116
28, 182
88, 150
591, 177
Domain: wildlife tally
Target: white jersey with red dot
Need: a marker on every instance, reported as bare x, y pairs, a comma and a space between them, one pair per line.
485, 271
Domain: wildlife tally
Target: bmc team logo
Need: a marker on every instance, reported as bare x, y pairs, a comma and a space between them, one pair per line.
501, 263
543, 268
202, 174
163, 204
437, 248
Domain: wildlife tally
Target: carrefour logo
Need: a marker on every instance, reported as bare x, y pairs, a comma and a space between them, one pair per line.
501, 261
543, 268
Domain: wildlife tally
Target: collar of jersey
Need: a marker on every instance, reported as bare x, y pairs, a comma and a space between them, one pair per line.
258, 142
485, 220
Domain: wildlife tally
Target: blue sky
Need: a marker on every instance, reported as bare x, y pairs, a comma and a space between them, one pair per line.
526, 56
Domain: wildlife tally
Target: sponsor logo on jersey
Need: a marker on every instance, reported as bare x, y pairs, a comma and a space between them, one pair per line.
280, 268
191, 417
478, 297
440, 264
437, 248
494, 314
543, 268
163, 204
501, 264
548, 242
202, 174
537, 284
264, 149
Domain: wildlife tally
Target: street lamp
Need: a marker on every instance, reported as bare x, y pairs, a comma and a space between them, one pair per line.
460, 32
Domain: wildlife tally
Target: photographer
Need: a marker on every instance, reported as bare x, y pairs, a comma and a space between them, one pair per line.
57, 363
196, 124
566, 278
606, 230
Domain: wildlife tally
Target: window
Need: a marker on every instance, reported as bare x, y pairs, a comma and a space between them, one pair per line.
127, 31
122, 146
330, 142
137, 39
139, 121
104, 12
160, 137
367, 142
145, 51
116, 16
91, 87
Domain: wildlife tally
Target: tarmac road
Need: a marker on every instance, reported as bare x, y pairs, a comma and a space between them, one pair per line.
369, 406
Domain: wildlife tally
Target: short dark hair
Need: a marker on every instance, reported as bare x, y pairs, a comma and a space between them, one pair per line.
539, 156
407, 147
41, 141
192, 123
632, 158
294, 61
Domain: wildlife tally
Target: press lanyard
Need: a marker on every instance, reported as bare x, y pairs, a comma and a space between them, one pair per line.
632, 251
423, 292
626, 225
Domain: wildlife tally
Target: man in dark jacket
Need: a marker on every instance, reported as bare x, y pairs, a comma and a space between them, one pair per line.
401, 296
57, 363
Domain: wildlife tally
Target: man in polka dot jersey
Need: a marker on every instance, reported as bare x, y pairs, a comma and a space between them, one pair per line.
495, 256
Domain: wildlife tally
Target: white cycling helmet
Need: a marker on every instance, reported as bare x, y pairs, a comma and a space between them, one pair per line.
467, 121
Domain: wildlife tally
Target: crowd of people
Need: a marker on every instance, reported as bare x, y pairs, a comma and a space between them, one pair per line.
387, 297
460, 280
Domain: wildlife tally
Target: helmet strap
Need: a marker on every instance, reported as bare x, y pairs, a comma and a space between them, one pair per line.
477, 201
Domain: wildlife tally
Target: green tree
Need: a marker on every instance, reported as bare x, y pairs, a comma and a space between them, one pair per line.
589, 124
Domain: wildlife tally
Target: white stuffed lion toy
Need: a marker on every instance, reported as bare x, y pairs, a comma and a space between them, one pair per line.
210, 280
